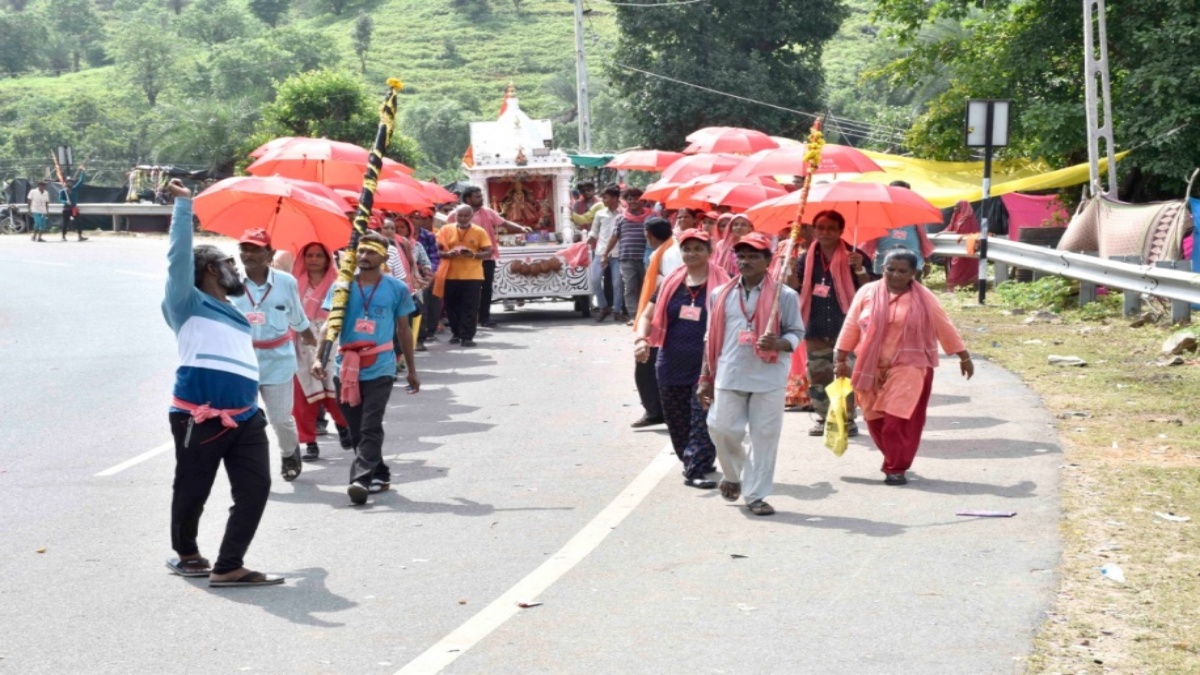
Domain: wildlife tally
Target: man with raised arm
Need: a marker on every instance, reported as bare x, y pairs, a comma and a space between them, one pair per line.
214, 414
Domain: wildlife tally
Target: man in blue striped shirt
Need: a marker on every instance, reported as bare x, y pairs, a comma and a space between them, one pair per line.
214, 414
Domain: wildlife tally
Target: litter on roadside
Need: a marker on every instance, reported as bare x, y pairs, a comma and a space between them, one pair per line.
527, 605
988, 514
1113, 571
1172, 517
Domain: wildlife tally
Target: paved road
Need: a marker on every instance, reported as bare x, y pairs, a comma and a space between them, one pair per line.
517, 478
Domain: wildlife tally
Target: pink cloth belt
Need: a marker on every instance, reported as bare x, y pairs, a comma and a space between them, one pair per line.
277, 342
355, 356
205, 412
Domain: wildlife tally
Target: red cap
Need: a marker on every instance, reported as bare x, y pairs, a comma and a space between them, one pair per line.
257, 236
712, 214
756, 240
694, 233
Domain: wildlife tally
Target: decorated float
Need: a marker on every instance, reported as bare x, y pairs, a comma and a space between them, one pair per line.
526, 180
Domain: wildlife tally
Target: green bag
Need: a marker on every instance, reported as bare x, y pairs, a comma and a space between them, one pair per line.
836, 437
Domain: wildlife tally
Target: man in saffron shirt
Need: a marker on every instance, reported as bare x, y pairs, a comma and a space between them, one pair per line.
214, 414
490, 221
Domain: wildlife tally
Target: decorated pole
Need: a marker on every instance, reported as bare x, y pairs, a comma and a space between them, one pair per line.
366, 199
812, 160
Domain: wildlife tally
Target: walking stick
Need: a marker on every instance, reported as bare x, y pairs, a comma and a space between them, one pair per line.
366, 199
812, 160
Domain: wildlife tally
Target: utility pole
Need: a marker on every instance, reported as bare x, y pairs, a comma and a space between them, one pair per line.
581, 84
1095, 67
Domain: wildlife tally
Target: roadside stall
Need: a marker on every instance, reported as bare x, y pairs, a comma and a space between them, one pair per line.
527, 181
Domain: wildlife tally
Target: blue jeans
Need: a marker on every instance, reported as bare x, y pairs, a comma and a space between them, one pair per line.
614, 272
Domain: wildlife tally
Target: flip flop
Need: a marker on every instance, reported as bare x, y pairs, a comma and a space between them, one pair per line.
250, 578
761, 508
730, 491
189, 568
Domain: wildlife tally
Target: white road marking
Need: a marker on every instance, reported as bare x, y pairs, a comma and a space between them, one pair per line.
149, 454
36, 262
148, 275
478, 627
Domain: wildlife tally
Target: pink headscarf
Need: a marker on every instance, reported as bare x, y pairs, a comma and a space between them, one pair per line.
312, 297
723, 256
918, 343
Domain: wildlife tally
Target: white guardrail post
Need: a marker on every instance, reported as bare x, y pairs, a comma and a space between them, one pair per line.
1134, 277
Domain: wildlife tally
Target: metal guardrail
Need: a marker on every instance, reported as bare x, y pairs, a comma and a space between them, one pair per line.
1166, 283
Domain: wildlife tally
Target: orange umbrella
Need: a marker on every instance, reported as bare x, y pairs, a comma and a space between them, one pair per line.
870, 209
729, 139
400, 197
689, 167
789, 161
293, 212
322, 161
644, 160
737, 196
676, 200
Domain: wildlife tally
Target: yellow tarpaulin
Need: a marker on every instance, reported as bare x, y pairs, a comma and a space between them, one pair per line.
944, 184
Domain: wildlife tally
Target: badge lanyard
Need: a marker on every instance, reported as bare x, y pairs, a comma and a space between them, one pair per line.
366, 299
742, 301
250, 296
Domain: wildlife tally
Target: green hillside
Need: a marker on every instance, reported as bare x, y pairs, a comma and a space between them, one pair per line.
455, 57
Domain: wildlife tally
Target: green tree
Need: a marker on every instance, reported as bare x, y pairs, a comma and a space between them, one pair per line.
24, 36
773, 55
442, 127
1032, 53
208, 131
76, 24
269, 11
145, 51
213, 22
363, 27
330, 104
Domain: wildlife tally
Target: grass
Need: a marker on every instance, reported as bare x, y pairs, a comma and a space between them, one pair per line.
1130, 432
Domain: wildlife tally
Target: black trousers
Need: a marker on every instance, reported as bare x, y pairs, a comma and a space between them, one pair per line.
248, 466
462, 306
485, 294
432, 313
366, 429
68, 221
646, 378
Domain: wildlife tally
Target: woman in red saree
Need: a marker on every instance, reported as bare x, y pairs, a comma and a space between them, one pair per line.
894, 327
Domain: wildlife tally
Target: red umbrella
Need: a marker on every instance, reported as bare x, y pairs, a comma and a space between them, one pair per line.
274, 144
697, 165
438, 194
293, 212
659, 191
870, 209
323, 161
789, 161
729, 139
644, 160
737, 196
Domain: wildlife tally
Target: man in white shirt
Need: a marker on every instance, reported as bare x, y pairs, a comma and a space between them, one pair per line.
598, 237
39, 208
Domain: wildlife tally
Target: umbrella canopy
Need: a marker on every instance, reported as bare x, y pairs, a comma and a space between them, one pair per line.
322, 161
274, 144
644, 160
789, 161
438, 194
689, 167
870, 209
728, 139
659, 191
293, 212
737, 196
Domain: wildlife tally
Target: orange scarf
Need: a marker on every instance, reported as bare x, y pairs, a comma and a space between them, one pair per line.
918, 342
658, 328
651, 280
762, 311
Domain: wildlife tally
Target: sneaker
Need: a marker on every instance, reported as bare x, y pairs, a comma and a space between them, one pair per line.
817, 429
344, 437
895, 479
378, 485
468, 343
311, 452
852, 430
646, 421
358, 493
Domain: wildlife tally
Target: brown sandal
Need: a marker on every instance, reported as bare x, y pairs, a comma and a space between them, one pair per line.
761, 508
730, 491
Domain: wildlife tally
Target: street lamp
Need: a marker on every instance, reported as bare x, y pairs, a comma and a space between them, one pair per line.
986, 127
